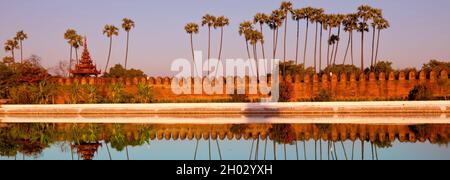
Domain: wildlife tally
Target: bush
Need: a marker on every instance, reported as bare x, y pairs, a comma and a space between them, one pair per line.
436, 66
324, 96
295, 69
420, 93
339, 69
286, 91
383, 66
145, 94
120, 72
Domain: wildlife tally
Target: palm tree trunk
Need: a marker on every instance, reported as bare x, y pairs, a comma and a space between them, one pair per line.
315, 149
378, 45
373, 48
320, 142
332, 53
251, 150
262, 44
265, 149
304, 149
209, 45
335, 151
70, 60
107, 149
193, 54
21, 52
337, 45
248, 50
257, 149
298, 39
285, 154
346, 51
109, 54
285, 36
376, 152
12, 53
328, 148
126, 53
373, 154
196, 149
255, 53
76, 55
274, 150
362, 149
221, 43
351, 48
306, 42
345, 152
353, 150
328, 49
362, 51
315, 48
296, 149
209, 148
320, 48
218, 149
126, 149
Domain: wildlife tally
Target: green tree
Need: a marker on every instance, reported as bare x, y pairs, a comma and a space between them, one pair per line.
244, 28
191, 29
11, 45
110, 31
286, 8
70, 35
127, 25
21, 36
382, 24
261, 19
436, 66
145, 93
209, 20
350, 23
221, 22
118, 71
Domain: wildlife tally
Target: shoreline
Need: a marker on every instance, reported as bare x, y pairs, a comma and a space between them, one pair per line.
298, 108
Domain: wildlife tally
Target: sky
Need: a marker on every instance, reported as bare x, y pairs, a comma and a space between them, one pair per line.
418, 33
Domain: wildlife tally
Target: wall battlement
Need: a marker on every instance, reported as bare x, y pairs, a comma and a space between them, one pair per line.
383, 86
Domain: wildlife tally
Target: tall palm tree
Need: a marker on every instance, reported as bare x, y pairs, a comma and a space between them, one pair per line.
261, 19
209, 21
297, 15
365, 14
274, 22
381, 25
308, 14
322, 21
110, 31
11, 45
286, 8
191, 29
332, 41
350, 24
77, 42
21, 36
317, 18
127, 25
244, 28
376, 15
338, 23
221, 22
255, 37
329, 25
70, 35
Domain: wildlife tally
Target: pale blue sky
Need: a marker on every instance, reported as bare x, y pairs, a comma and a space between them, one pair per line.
419, 29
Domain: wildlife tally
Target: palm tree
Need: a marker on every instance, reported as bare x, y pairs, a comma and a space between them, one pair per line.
329, 24
308, 14
381, 25
364, 13
110, 31
377, 14
21, 36
244, 28
323, 25
70, 35
11, 45
317, 18
255, 37
261, 19
332, 41
274, 22
127, 25
285, 7
191, 29
209, 20
221, 22
350, 24
297, 15
77, 42
338, 23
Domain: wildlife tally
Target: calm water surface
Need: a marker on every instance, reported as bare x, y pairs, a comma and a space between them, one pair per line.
260, 138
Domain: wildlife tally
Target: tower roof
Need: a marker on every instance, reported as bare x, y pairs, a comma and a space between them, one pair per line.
85, 67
